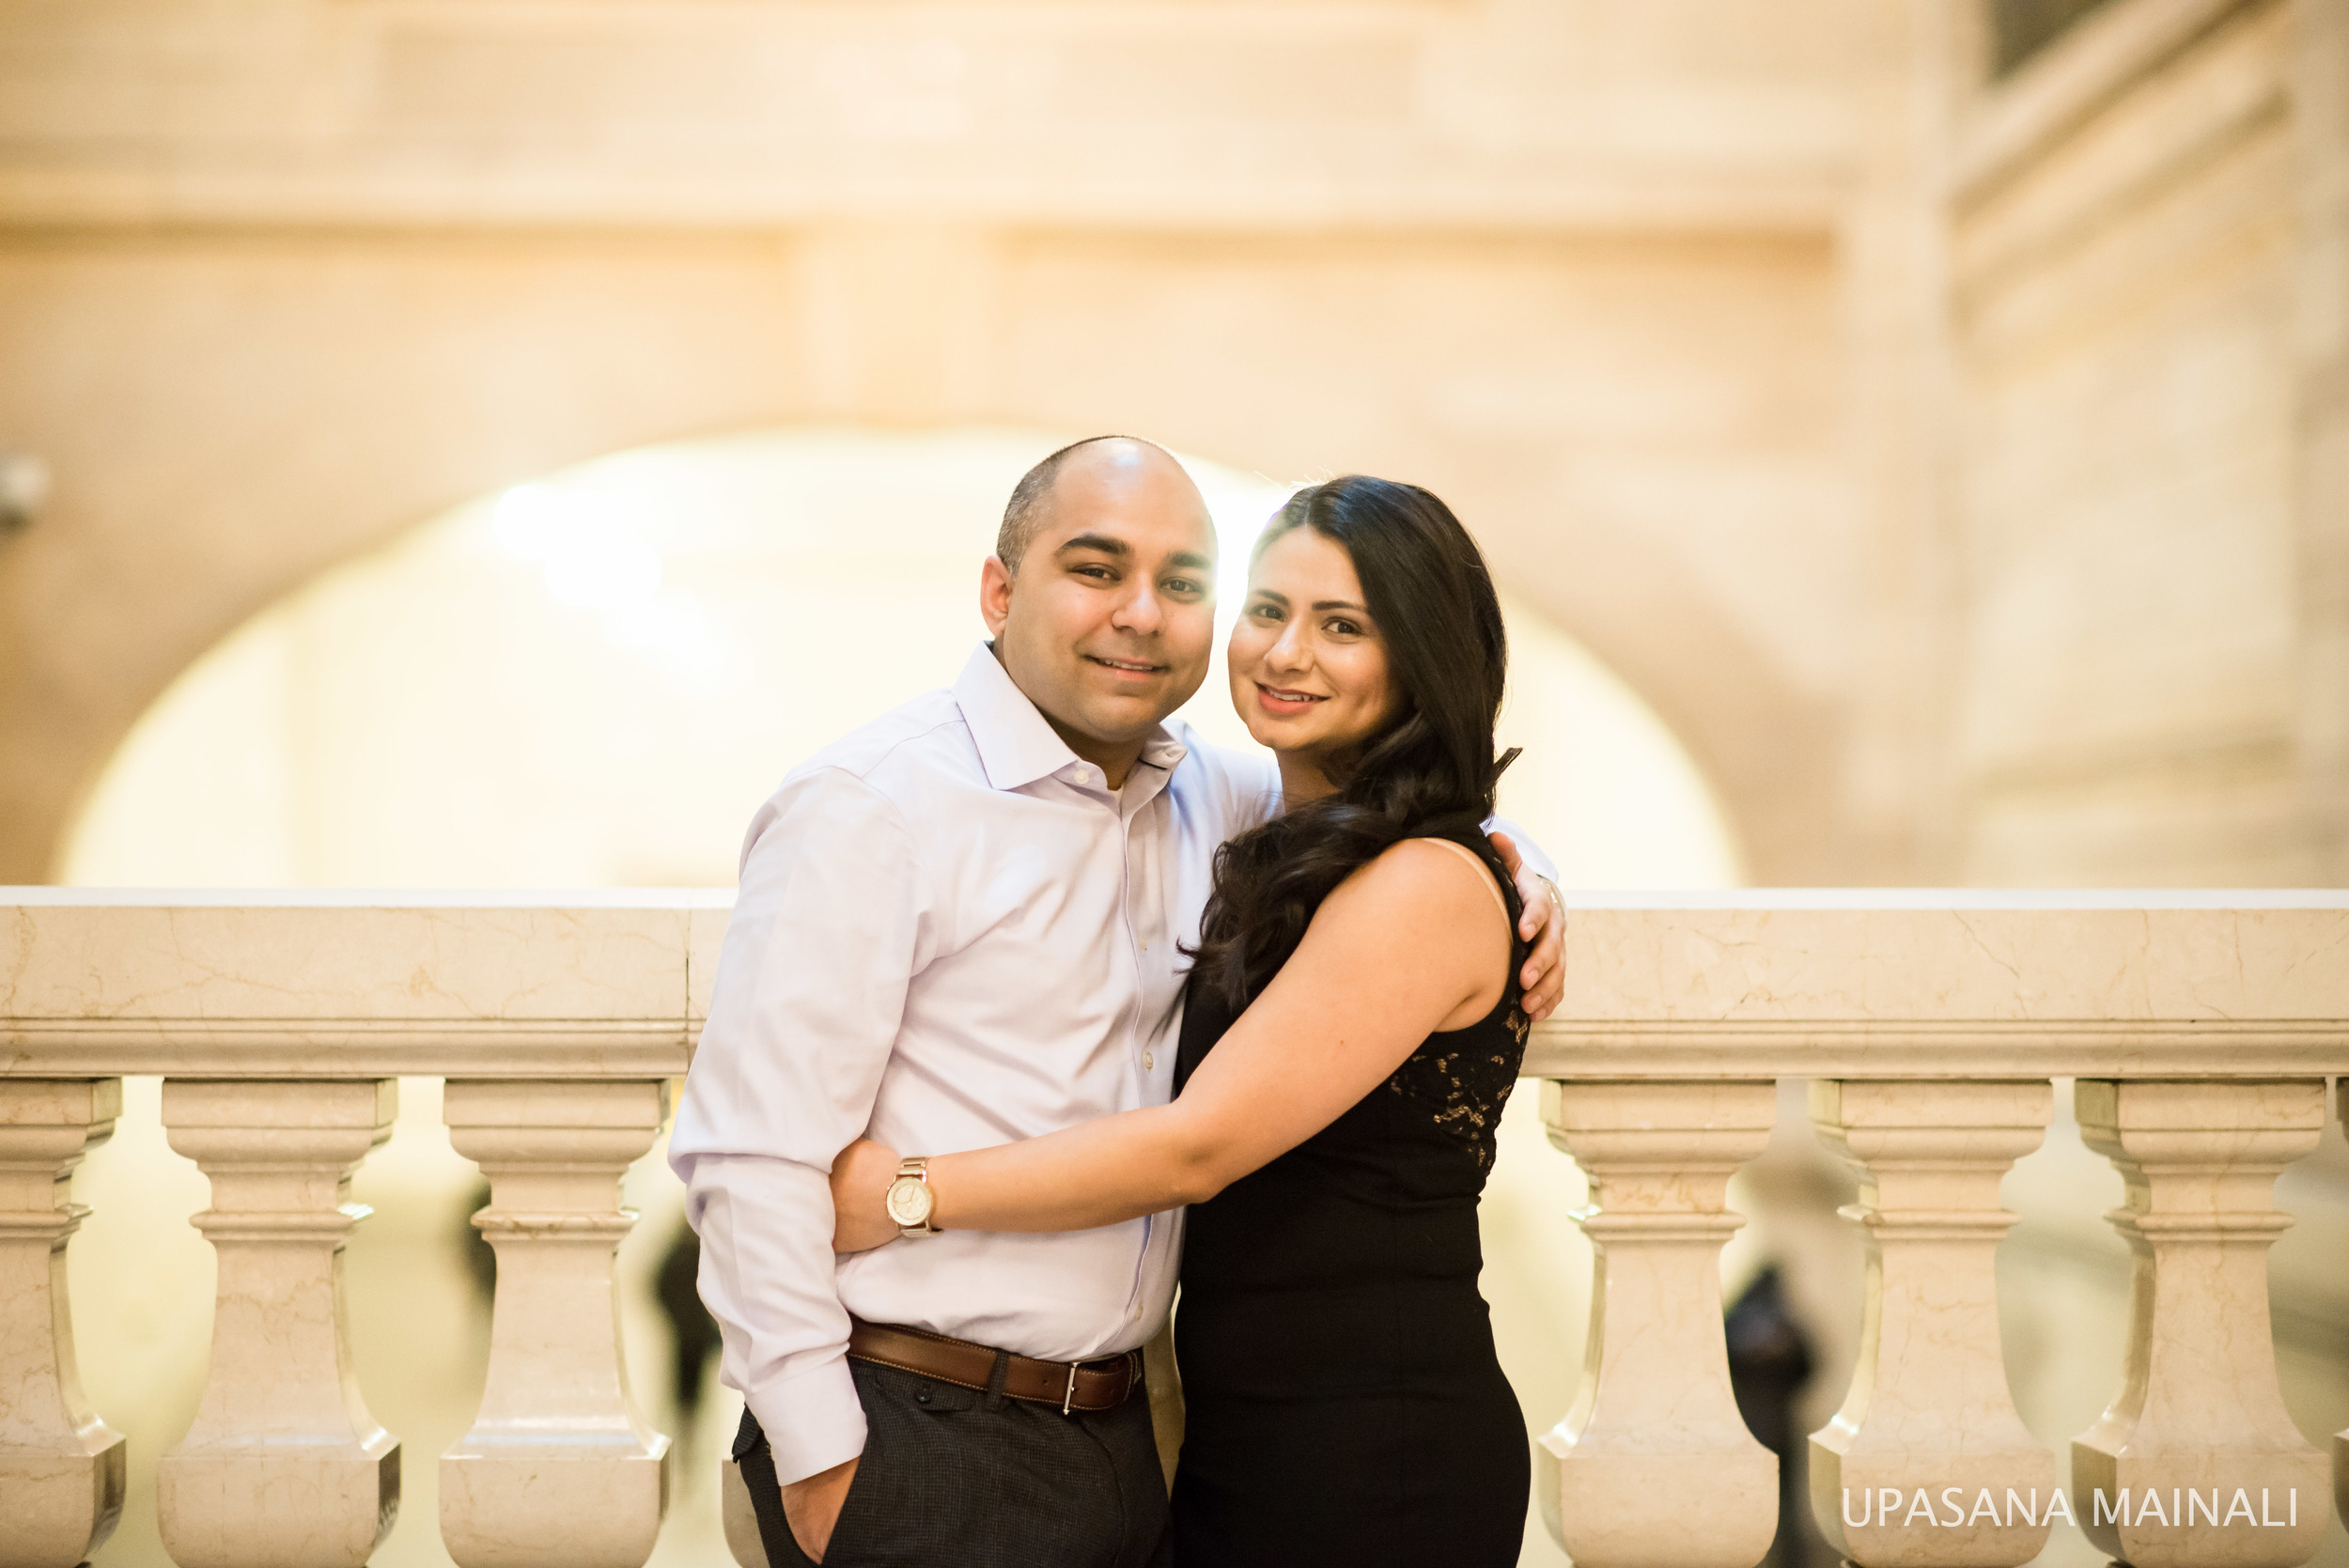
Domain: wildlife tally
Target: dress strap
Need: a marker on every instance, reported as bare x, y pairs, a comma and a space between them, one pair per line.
1491, 886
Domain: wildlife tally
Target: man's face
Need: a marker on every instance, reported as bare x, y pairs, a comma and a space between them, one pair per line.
1108, 623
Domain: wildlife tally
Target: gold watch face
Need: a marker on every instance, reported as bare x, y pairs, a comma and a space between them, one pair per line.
910, 1201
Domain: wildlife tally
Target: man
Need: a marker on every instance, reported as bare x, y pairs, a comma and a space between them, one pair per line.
961, 925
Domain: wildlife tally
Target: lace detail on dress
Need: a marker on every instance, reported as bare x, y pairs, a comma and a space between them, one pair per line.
1464, 1077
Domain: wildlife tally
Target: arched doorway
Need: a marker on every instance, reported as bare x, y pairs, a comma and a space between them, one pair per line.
591, 680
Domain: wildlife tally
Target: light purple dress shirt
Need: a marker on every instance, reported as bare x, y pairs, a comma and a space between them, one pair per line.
950, 933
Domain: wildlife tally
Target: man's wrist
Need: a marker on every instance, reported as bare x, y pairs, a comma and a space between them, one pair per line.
813, 1422
812, 1507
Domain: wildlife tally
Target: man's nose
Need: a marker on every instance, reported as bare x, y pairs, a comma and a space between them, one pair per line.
1138, 610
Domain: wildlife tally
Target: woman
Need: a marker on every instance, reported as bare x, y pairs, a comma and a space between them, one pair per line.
1351, 1030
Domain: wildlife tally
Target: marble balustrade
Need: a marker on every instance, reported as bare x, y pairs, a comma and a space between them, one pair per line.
2198, 1032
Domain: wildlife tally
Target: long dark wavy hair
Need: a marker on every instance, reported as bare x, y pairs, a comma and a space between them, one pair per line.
1431, 769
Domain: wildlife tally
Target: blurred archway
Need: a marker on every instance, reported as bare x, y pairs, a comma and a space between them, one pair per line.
592, 680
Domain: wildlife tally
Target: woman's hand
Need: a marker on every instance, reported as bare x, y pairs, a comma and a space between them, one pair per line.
860, 1196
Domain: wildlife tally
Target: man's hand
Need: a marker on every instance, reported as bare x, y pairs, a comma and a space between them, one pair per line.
1543, 924
812, 1507
859, 1197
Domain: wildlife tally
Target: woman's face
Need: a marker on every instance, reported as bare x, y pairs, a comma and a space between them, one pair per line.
1308, 668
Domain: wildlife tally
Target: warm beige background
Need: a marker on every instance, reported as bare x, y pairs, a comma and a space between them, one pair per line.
592, 680
1947, 464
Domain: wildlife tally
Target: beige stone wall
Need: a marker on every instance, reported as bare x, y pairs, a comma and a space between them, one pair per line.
2129, 688
276, 281
1956, 470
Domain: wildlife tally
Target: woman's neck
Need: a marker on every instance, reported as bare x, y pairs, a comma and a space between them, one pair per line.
1301, 779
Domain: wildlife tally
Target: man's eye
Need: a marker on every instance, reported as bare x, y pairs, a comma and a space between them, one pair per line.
1183, 585
1099, 574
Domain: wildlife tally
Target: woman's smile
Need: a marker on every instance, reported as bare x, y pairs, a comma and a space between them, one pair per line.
1281, 700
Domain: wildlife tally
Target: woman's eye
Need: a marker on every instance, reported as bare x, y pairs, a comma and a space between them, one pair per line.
1344, 628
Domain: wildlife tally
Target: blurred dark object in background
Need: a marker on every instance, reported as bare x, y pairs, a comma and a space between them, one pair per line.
2021, 29
1770, 1363
691, 1330
23, 485
481, 1259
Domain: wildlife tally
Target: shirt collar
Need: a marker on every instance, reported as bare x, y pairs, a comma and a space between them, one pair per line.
1164, 748
1016, 746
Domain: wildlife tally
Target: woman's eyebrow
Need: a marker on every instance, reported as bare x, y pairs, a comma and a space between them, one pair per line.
1339, 604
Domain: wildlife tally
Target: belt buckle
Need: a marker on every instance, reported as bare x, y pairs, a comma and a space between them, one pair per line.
1068, 1400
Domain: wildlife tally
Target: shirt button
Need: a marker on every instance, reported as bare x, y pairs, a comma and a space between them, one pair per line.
1148, 1061
1084, 775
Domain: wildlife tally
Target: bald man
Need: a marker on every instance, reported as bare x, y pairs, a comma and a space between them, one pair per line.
958, 926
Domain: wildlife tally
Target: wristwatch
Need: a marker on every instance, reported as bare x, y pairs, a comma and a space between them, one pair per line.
911, 1197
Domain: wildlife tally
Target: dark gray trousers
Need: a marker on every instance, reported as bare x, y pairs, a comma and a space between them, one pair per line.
954, 1476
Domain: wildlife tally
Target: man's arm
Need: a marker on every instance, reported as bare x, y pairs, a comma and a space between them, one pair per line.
1543, 980
830, 925
1404, 947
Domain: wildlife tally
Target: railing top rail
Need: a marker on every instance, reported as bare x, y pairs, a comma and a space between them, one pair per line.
1759, 983
42, 896
38, 897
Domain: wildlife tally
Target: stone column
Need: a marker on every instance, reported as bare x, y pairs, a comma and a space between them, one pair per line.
2341, 1439
2199, 1427
60, 1467
284, 1467
739, 1519
559, 1466
2320, 331
1654, 1468
1929, 1410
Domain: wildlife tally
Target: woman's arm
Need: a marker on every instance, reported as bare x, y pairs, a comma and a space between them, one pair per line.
1414, 942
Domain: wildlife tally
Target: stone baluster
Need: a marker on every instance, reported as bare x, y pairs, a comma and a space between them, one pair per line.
2214, 1472
1654, 1468
738, 1518
1927, 1462
61, 1467
282, 1467
559, 1466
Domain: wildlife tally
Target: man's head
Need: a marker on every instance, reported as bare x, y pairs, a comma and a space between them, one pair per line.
1101, 592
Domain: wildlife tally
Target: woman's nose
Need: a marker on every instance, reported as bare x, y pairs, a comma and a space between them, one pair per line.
1291, 650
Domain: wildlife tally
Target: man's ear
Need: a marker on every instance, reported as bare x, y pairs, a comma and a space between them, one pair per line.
994, 594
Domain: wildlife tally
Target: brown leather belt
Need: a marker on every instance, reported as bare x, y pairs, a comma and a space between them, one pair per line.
1101, 1385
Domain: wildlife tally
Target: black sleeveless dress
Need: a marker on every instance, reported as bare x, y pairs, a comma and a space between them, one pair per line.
1345, 1404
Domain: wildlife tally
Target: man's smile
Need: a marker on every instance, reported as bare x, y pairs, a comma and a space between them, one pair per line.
1125, 666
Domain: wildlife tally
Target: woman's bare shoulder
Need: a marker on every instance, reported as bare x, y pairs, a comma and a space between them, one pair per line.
1428, 879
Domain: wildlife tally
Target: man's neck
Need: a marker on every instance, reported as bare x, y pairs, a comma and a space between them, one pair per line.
1115, 760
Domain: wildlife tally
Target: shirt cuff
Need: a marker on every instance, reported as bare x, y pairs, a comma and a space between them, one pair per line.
813, 1421
1528, 852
